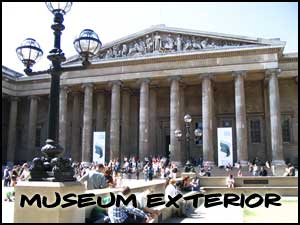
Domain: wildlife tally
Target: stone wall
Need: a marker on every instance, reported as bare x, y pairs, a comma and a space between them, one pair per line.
288, 90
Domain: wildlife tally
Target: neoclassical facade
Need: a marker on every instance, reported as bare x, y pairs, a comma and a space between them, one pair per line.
138, 89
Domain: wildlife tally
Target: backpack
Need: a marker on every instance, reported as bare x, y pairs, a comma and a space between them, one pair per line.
150, 170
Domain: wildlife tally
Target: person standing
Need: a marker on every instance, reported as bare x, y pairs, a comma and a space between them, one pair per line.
263, 172
95, 178
6, 177
14, 176
145, 171
25, 175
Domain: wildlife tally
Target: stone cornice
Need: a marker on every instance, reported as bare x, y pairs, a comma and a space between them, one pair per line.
10, 73
288, 60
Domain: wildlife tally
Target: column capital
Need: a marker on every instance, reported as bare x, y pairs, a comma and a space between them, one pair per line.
241, 73
143, 80
65, 87
34, 97
206, 76
115, 82
171, 78
270, 72
87, 85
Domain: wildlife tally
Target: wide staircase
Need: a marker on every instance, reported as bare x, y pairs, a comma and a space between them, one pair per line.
248, 184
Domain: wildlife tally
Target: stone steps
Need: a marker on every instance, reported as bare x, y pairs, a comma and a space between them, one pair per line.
268, 181
282, 191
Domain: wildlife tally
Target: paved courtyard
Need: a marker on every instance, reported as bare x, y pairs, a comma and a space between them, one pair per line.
217, 214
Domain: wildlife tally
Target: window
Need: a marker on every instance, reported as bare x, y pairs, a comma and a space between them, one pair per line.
38, 137
286, 134
200, 140
255, 131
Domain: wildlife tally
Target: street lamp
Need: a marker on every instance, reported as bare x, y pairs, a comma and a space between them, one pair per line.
197, 132
52, 166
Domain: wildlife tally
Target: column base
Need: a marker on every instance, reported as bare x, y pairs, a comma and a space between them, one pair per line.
278, 162
86, 164
209, 163
244, 163
178, 164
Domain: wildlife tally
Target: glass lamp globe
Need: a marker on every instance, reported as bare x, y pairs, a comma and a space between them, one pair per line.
178, 133
87, 44
29, 52
187, 118
198, 132
59, 7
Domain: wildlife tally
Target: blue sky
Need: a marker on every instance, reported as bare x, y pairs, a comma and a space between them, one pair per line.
114, 20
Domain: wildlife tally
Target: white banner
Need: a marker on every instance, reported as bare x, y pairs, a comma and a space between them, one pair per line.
99, 147
225, 153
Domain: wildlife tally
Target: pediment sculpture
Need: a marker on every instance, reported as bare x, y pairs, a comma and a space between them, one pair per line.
163, 43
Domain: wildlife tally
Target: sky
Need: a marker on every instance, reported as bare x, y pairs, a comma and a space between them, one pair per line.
114, 20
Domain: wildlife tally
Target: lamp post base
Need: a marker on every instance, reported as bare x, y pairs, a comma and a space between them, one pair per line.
51, 167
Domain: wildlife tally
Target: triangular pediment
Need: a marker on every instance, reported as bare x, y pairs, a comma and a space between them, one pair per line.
161, 40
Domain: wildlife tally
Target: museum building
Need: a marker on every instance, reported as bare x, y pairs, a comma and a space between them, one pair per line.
138, 89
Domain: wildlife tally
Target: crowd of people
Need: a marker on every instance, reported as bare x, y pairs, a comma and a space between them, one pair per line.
112, 173
17, 173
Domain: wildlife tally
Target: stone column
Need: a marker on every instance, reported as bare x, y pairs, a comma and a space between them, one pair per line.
100, 110
115, 121
175, 120
75, 146
12, 127
32, 126
87, 123
240, 116
207, 120
144, 120
63, 105
125, 133
183, 143
276, 131
153, 121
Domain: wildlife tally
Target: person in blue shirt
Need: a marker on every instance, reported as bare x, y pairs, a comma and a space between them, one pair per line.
95, 178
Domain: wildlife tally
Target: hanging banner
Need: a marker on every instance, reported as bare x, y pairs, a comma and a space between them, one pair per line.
225, 153
99, 147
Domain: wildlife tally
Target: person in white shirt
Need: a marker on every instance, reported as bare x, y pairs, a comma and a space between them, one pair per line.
171, 189
230, 181
25, 176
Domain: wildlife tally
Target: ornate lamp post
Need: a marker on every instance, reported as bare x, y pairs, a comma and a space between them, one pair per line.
52, 165
197, 132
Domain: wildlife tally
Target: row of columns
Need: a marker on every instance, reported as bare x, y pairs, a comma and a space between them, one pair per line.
145, 115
